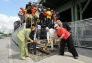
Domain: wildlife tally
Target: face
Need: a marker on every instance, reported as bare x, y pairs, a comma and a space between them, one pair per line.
34, 9
56, 27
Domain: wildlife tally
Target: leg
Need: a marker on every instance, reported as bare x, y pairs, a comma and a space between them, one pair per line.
22, 49
26, 51
34, 47
62, 46
52, 45
71, 47
48, 39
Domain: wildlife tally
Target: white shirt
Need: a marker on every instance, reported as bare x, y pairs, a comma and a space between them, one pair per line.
38, 27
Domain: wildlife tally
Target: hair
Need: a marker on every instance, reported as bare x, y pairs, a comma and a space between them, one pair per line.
28, 26
33, 25
28, 23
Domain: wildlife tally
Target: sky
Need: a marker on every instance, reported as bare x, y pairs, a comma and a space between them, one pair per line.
8, 12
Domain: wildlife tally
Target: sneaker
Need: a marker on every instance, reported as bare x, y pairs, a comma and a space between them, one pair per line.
27, 57
61, 54
23, 58
76, 57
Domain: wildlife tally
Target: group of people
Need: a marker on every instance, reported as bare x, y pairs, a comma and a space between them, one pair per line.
43, 23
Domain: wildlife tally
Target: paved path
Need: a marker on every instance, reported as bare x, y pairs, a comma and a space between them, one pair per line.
9, 53
4, 52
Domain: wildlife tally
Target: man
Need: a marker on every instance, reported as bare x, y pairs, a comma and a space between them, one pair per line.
65, 24
65, 37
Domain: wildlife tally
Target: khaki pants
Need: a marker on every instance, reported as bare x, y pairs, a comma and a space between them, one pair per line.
23, 48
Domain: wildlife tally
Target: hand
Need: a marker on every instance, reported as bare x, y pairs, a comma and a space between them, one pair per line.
34, 41
31, 40
59, 39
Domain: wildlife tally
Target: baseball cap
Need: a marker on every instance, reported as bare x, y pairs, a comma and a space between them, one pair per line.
55, 25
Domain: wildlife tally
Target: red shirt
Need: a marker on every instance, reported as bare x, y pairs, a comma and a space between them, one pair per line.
61, 31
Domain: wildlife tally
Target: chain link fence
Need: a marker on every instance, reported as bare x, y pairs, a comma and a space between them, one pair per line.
82, 32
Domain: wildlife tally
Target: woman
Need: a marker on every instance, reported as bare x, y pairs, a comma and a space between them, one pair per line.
23, 36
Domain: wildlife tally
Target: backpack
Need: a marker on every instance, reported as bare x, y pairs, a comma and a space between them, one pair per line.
66, 25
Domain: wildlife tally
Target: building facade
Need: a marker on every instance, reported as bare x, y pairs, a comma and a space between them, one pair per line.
70, 10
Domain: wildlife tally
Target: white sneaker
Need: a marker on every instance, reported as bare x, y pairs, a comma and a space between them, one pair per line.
27, 57
23, 58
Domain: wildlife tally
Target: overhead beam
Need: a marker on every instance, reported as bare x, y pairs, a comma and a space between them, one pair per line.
69, 5
86, 5
65, 6
42, 1
80, 9
50, 5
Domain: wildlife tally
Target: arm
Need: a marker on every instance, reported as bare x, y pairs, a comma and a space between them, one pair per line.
59, 38
27, 35
62, 36
62, 33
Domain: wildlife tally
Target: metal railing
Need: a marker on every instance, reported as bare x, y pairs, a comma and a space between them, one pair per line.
82, 32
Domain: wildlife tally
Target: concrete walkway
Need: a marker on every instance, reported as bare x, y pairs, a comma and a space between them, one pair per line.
9, 53
66, 59
4, 52
60, 59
